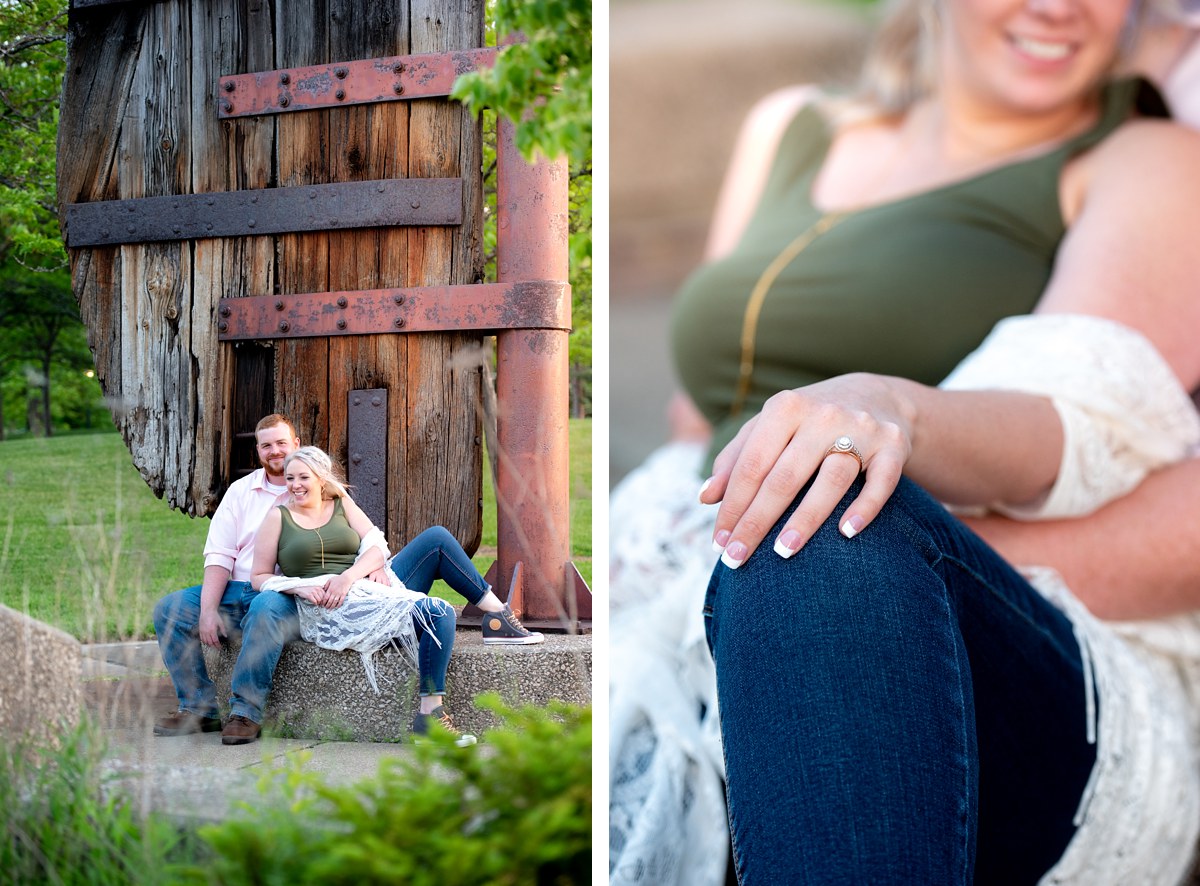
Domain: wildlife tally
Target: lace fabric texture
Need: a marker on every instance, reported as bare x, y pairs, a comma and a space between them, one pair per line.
1123, 411
372, 616
667, 821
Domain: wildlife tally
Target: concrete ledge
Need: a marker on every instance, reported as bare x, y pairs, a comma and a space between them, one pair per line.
41, 690
325, 695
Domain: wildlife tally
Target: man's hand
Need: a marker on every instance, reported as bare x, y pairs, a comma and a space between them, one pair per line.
212, 628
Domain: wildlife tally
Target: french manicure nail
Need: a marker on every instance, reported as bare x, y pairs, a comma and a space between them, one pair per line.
787, 543
703, 487
719, 542
853, 526
735, 555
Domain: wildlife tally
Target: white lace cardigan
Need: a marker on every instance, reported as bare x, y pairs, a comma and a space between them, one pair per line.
372, 616
1123, 414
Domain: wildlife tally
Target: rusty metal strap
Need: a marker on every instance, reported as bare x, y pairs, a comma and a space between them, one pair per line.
481, 307
393, 78
384, 202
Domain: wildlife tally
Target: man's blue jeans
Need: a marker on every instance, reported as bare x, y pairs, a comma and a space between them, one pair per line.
434, 554
266, 620
900, 707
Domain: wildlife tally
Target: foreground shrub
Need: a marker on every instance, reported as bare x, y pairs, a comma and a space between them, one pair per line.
56, 825
516, 809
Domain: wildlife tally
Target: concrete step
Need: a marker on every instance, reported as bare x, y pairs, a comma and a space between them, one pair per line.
322, 694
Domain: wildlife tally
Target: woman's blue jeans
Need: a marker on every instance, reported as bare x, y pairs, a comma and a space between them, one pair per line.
434, 554
900, 707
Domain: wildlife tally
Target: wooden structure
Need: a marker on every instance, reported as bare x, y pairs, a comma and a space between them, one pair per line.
271, 206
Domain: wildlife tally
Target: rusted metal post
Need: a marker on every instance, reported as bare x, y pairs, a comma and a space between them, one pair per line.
532, 374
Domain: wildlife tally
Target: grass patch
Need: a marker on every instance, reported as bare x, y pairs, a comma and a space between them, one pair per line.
86, 546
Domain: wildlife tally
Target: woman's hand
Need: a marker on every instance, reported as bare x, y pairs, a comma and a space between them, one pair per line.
335, 591
758, 475
312, 593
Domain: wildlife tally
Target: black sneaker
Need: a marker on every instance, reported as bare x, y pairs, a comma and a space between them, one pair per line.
505, 627
422, 723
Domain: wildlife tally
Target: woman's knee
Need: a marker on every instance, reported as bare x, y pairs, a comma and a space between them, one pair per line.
436, 537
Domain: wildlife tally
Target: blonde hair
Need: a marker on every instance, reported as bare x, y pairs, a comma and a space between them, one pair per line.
332, 483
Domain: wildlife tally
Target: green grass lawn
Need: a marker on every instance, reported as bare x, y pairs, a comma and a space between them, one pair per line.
85, 545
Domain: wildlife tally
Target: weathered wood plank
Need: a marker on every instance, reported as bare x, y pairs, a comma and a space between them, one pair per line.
302, 388
102, 55
229, 36
154, 158
441, 367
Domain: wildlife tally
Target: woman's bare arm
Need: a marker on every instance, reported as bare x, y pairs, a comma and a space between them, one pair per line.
1137, 557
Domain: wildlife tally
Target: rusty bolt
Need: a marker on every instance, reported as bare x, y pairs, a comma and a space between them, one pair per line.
340, 73
399, 299
285, 78
222, 326
341, 324
229, 85
398, 68
283, 326
340, 94
225, 312
341, 302
226, 106
399, 322
399, 89
279, 304
284, 100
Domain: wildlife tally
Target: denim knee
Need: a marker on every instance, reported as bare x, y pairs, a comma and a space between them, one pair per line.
168, 609
436, 536
275, 613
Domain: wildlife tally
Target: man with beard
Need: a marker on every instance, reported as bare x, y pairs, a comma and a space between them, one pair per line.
204, 613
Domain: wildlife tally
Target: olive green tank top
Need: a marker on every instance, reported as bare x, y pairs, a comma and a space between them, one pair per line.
304, 553
907, 287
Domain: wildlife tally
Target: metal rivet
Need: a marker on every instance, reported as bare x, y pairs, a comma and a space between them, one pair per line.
283, 326
226, 106
340, 94
341, 324
285, 78
131, 228
222, 326
398, 89
380, 189
225, 312
375, 401
279, 304
356, 458
399, 299
340, 73
210, 201
374, 481
341, 302
176, 229
208, 227
230, 86
175, 205
399, 322
416, 204
254, 199
357, 402
131, 208
312, 195
284, 101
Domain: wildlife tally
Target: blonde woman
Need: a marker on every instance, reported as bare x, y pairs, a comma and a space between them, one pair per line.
897, 703
327, 551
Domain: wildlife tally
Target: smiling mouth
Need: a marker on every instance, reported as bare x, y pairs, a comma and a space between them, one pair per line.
1042, 50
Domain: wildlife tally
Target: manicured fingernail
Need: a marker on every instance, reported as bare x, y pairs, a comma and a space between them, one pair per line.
735, 555
853, 526
703, 487
719, 542
787, 543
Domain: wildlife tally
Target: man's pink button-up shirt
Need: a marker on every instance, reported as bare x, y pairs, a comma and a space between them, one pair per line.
235, 524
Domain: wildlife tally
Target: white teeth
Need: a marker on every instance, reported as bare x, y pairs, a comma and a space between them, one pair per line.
1043, 51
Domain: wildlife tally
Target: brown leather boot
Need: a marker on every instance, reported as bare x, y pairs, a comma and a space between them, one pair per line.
239, 730
185, 723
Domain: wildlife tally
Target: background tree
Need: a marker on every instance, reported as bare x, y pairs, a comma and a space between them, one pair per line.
544, 85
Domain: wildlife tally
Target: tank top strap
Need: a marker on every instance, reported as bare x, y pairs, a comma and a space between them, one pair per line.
1122, 99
